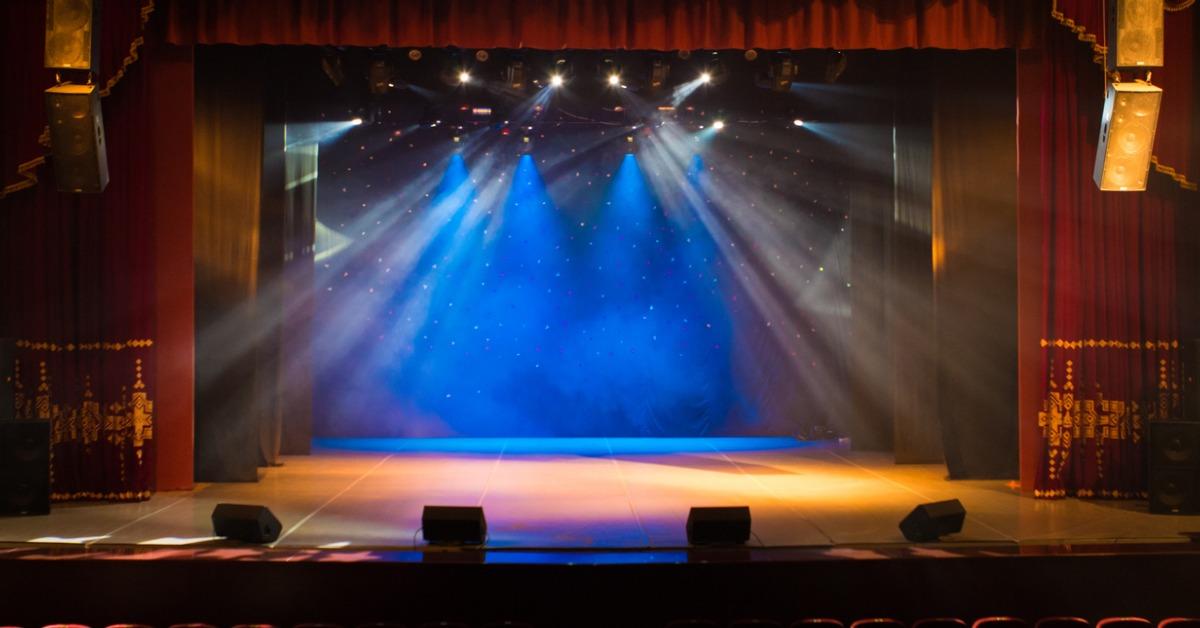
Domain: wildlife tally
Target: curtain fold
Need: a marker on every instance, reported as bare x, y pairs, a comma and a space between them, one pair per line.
1109, 342
77, 276
609, 24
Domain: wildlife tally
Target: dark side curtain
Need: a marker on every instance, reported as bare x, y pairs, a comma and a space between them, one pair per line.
1109, 345
77, 279
609, 24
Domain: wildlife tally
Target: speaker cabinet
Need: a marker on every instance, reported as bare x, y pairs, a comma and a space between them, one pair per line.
77, 138
72, 40
929, 522
245, 522
1191, 380
1127, 136
454, 525
728, 525
25, 467
1135, 34
8, 361
1174, 467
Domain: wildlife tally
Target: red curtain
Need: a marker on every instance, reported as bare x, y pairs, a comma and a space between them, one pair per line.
76, 272
609, 24
1109, 359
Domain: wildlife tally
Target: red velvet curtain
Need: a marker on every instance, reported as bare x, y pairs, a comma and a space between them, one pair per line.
76, 272
609, 24
1109, 323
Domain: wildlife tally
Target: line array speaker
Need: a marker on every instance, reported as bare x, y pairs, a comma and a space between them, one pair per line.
1127, 136
77, 138
25, 467
72, 40
8, 361
1135, 34
1174, 467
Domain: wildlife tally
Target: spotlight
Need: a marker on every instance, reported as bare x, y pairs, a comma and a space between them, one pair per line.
718, 125
515, 75
751, 54
614, 80
556, 80
659, 69
705, 77
414, 55
797, 122
782, 72
356, 121
464, 77
481, 56
379, 77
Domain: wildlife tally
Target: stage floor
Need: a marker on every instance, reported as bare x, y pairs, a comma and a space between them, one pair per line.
600, 494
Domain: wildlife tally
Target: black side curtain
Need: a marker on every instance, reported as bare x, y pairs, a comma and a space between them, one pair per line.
251, 333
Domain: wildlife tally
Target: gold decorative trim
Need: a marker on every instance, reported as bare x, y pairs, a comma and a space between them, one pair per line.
1090, 343
1098, 53
85, 346
124, 496
28, 170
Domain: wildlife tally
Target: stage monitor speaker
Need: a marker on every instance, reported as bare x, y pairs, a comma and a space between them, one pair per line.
1174, 467
1135, 34
1127, 136
245, 522
72, 34
8, 362
454, 525
77, 138
719, 525
25, 467
930, 522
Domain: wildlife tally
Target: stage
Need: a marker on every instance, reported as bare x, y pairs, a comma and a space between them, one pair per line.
600, 494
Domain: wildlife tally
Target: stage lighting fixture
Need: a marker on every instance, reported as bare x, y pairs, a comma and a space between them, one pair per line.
414, 55
721, 525
718, 125
750, 54
456, 525
797, 122
481, 56
1127, 136
659, 69
835, 66
556, 80
706, 77
356, 121
782, 72
331, 65
379, 77
464, 77
930, 522
614, 80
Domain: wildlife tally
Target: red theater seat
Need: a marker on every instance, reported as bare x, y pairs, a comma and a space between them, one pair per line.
940, 622
508, 624
380, 624
317, 625
818, 622
444, 624
1180, 622
755, 623
192, 626
692, 623
877, 622
1062, 622
999, 622
1124, 622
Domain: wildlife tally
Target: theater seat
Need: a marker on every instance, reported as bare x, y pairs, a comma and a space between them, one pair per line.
940, 622
755, 623
1062, 622
999, 622
817, 622
692, 623
877, 622
1124, 622
1180, 622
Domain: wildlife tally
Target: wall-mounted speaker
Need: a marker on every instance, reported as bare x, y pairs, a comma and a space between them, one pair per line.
930, 522
77, 138
1127, 136
72, 37
25, 467
1174, 467
1135, 34
246, 522
8, 362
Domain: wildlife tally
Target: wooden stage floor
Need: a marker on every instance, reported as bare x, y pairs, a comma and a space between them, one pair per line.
600, 494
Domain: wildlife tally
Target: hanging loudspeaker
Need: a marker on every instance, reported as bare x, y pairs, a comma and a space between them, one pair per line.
1127, 136
77, 138
1135, 34
72, 39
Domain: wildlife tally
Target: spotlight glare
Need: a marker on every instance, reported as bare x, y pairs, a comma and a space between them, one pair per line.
556, 80
464, 77
705, 77
718, 125
356, 121
614, 80
797, 122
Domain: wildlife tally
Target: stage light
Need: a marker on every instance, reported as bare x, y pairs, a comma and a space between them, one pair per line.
556, 80
614, 80
515, 74
782, 72
797, 122
414, 55
356, 121
705, 77
751, 54
659, 69
464, 77
718, 125
481, 56
379, 77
